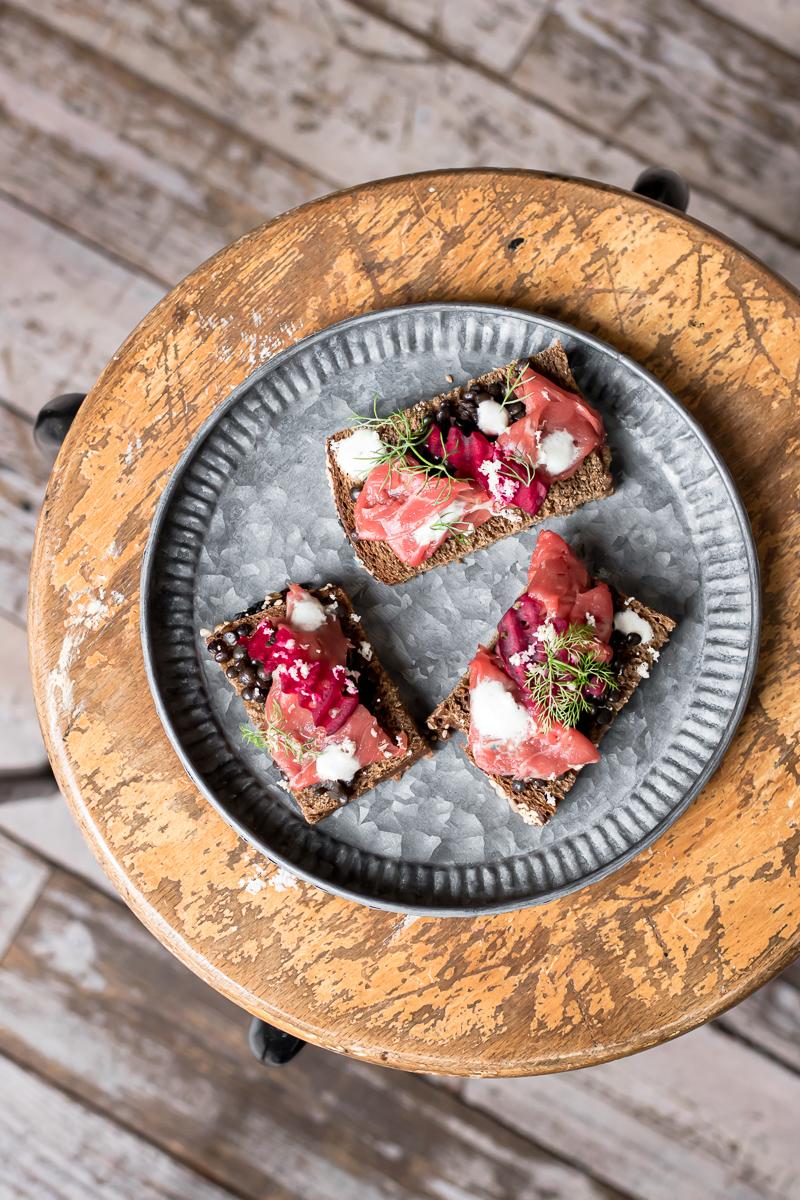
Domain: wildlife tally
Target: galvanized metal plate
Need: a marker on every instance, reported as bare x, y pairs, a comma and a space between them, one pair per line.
248, 508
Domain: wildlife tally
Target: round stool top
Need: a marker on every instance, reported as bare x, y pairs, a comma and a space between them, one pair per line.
689, 927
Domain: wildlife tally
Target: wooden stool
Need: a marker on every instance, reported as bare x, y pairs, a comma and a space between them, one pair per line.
693, 924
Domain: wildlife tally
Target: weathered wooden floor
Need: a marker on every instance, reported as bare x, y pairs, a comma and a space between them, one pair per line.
135, 139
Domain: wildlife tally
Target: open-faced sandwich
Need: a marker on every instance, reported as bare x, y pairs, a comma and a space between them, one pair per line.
318, 699
535, 702
447, 476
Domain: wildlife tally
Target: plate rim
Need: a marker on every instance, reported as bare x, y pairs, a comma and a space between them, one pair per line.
146, 585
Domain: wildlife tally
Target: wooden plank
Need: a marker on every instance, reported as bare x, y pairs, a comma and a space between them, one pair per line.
21, 747
773, 19
52, 1148
703, 1118
346, 119
491, 32
125, 164
65, 310
22, 877
675, 83
82, 1000
23, 475
770, 1019
34, 812
678, 84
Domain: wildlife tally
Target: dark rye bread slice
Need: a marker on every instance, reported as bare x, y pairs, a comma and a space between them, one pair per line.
591, 481
377, 689
536, 800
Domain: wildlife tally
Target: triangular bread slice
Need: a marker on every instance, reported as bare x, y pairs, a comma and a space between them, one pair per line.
591, 481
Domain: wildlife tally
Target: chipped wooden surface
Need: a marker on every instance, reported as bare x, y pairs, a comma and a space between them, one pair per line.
81, 1000
299, 78
647, 954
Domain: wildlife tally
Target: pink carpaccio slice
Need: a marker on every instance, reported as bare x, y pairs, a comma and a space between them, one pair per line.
537, 756
400, 506
312, 695
551, 409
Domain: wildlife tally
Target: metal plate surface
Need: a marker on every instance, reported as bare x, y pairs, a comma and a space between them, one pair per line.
248, 508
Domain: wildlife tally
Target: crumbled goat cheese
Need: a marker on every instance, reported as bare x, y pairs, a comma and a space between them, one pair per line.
557, 452
643, 670
628, 621
501, 487
495, 713
308, 615
358, 453
366, 651
338, 762
492, 418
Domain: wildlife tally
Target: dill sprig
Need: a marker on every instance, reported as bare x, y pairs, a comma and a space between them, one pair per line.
275, 736
557, 684
404, 439
454, 527
512, 384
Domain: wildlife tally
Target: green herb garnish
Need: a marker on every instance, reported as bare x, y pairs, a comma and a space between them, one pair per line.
275, 736
557, 686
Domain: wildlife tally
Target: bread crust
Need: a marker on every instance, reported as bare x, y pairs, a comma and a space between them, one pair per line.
591, 481
537, 800
315, 803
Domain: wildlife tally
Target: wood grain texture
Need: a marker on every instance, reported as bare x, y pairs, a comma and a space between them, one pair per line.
125, 164
772, 19
701, 1119
673, 83
23, 475
64, 310
53, 1149
366, 99
693, 924
82, 1001
22, 877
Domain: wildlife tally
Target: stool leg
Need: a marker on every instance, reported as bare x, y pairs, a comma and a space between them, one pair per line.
272, 1046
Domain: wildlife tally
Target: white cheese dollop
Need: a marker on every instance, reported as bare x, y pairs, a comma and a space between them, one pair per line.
338, 762
426, 533
492, 417
495, 713
308, 614
627, 621
557, 452
357, 453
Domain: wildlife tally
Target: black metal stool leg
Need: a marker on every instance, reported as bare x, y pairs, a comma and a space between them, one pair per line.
272, 1046
53, 422
660, 183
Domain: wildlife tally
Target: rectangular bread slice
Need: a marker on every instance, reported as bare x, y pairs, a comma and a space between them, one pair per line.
376, 688
591, 481
536, 800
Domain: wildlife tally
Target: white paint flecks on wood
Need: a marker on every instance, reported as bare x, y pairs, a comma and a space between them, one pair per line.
367, 100
702, 1118
674, 83
125, 164
64, 310
21, 746
23, 475
82, 998
22, 877
38, 816
54, 1149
